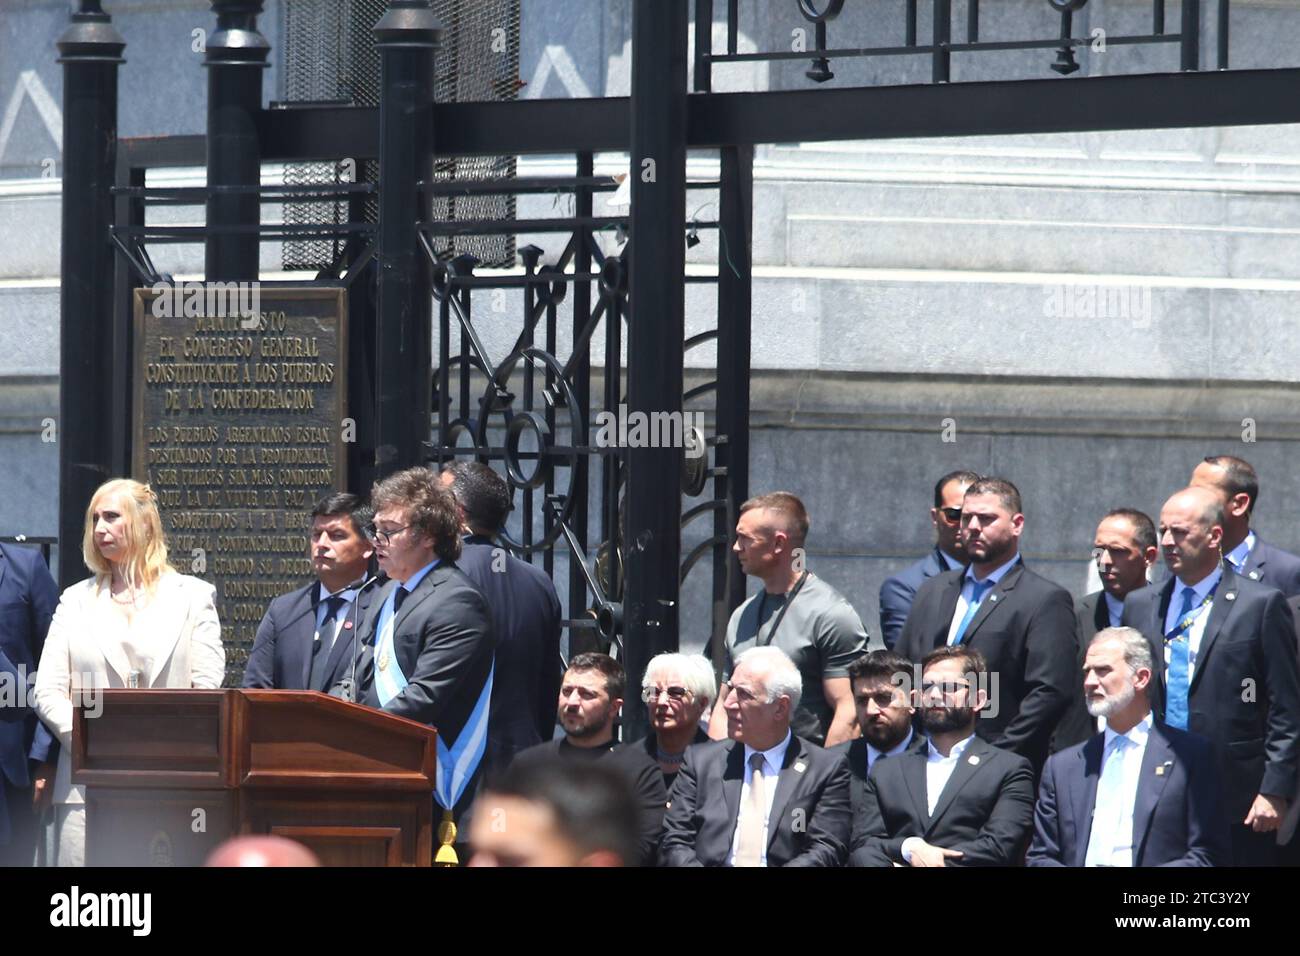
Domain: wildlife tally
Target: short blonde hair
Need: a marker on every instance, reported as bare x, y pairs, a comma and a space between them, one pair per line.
146, 545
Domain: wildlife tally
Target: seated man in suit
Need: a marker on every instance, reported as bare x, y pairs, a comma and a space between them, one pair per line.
427, 643
1224, 650
764, 797
959, 802
28, 750
1139, 794
1125, 551
541, 813
880, 681
1022, 623
525, 614
949, 554
591, 699
1236, 484
307, 638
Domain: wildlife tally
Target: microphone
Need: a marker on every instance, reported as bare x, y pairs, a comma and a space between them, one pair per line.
346, 689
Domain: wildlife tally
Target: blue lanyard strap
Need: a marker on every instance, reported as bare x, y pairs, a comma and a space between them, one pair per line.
1186, 623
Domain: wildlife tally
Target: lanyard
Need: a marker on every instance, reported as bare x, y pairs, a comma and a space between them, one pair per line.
780, 615
1186, 623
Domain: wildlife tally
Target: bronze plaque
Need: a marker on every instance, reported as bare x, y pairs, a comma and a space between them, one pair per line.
240, 421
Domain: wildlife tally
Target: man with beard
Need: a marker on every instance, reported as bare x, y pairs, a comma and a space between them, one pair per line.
1125, 551
1139, 794
1225, 667
591, 698
960, 801
949, 554
1021, 623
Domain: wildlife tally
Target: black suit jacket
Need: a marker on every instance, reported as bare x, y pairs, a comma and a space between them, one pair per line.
1091, 614
282, 652
444, 642
1177, 818
810, 818
898, 593
526, 618
1025, 630
855, 751
28, 597
1274, 567
985, 810
1244, 695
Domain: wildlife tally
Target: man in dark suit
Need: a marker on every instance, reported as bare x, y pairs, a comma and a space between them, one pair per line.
763, 797
880, 682
427, 643
1225, 653
590, 700
1139, 794
307, 638
28, 597
949, 554
525, 615
959, 801
1236, 484
1125, 551
1020, 622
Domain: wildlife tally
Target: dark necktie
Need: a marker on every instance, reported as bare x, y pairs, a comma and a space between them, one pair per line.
334, 605
398, 598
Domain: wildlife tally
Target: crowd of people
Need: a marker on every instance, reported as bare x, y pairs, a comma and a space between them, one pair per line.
995, 722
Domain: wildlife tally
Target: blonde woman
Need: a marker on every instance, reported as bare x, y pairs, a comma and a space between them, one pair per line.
134, 623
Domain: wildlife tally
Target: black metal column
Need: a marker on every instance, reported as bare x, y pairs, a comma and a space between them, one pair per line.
91, 52
735, 234
236, 57
656, 329
407, 37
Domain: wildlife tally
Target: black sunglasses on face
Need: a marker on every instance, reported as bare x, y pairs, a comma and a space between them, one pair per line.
952, 514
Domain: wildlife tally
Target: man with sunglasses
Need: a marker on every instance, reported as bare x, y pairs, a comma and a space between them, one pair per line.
1125, 551
960, 801
949, 554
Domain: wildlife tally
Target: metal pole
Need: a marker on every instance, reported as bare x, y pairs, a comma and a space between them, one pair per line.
656, 329
1191, 35
236, 57
735, 233
407, 38
91, 52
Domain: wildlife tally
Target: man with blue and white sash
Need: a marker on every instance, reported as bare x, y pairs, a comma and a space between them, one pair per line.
428, 645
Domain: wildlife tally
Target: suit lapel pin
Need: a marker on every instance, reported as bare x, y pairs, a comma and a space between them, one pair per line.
1160, 770
1230, 596
800, 767
974, 760
347, 625
993, 599
1254, 575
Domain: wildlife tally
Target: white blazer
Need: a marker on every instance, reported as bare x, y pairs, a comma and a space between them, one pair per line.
179, 631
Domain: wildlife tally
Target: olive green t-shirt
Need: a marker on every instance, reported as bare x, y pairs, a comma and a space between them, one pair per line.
820, 632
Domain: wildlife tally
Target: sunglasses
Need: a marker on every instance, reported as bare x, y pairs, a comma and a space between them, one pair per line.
651, 694
953, 515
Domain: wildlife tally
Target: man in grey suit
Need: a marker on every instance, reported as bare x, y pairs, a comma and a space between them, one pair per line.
1125, 551
949, 554
427, 644
764, 797
1225, 654
1236, 484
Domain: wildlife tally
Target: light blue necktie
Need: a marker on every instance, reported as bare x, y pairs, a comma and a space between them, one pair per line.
1180, 647
972, 608
1106, 809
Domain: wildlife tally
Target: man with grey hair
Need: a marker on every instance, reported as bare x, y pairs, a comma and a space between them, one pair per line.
1225, 667
1140, 793
677, 690
762, 797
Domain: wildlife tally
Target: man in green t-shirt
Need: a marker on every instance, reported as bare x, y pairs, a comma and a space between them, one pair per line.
797, 612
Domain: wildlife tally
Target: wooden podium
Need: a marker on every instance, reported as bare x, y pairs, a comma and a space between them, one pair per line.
170, 774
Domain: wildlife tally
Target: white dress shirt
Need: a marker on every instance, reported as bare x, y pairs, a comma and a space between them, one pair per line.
873, 754
1238, 556
1202, 612
1111, 841
772, 760
938, 769
968, 590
